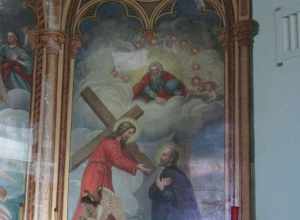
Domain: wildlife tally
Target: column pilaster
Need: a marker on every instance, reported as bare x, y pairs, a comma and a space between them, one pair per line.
46, 118
242, 35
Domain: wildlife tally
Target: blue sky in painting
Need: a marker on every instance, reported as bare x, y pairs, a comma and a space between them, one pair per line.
210, 140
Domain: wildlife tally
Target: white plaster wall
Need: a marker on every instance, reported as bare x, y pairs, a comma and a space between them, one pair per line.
276, 121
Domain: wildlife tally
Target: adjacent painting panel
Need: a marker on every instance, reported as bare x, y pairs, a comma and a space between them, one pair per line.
15, 92
148, 118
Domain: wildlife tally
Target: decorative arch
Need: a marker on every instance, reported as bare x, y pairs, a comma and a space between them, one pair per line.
219, 8
149, 10
146, 12
89, 11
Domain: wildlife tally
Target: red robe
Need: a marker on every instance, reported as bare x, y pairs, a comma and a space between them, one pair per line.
9, 67
138, 89
98, 172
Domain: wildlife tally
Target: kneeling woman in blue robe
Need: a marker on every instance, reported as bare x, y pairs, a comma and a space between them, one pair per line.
172, 193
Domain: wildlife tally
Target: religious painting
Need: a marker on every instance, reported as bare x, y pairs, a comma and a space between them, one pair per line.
16, 64
147, 136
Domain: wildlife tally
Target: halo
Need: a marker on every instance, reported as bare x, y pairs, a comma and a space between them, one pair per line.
132, 121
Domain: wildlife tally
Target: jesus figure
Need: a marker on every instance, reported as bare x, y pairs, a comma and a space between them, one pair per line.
98, 173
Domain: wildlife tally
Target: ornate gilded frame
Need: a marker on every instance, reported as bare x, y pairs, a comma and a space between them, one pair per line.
56, 41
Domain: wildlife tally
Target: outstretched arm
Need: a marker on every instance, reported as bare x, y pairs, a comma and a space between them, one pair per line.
119, 160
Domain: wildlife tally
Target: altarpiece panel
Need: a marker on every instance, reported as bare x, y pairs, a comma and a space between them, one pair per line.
140, 109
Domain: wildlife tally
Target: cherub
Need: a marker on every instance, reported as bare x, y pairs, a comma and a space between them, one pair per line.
205, 89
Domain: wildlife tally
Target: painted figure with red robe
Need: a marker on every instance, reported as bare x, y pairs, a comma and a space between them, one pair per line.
16, 64
98, 172
158, 85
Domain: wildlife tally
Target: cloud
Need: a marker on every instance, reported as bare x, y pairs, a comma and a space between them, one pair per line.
15, 138
14, 124
178, 114
17, 99
4, 212
13, 180
158, 121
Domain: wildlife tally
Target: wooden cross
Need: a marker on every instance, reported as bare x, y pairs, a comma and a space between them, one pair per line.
109, 121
